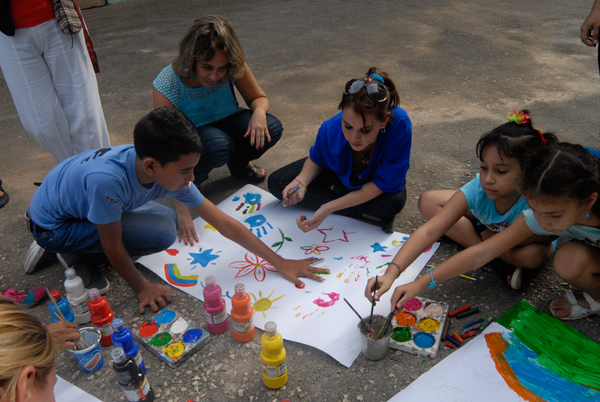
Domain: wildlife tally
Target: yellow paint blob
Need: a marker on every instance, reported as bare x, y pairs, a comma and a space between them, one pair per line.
175, 350
429, 324
263, 304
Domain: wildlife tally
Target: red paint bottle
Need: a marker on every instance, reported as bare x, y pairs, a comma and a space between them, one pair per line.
102, 316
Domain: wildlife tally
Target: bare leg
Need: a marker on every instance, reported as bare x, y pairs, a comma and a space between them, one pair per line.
463, 232
531, 253
578, 264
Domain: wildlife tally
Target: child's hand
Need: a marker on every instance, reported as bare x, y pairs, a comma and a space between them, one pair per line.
292, 270
383, 285
187, 230
154, 295
64, 333
404, 293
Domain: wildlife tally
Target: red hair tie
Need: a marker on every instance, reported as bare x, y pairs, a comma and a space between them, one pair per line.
543, 139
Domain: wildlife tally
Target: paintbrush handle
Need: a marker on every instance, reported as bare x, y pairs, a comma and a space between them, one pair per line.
355, 312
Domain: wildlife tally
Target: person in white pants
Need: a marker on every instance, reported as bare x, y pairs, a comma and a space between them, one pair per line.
53, 85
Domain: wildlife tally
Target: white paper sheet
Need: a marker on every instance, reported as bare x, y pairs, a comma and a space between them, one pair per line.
468, 374
316, 315
67, 392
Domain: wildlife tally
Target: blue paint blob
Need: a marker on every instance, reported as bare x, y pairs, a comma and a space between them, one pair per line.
165, 317
423, 340
192, 336
252, 198
235, 199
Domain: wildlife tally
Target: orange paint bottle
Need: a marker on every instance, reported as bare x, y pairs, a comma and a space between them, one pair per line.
242, 315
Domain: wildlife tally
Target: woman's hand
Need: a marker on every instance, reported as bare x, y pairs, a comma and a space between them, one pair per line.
296, 197
257, 129
314, 221
64, 333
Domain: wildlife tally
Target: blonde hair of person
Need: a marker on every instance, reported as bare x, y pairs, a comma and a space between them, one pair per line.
23, 342
209, 34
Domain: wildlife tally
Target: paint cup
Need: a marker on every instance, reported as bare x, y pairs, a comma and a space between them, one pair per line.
90, 359
374, 349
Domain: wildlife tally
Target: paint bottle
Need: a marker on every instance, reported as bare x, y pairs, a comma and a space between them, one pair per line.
272, 356
102, 316
77, 297
242, 315
123, 338
63, 305
216, 313
131, 378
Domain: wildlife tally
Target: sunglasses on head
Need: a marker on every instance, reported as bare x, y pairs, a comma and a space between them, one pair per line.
375, 91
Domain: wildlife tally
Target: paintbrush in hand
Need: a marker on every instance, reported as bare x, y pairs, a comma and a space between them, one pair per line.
61, 317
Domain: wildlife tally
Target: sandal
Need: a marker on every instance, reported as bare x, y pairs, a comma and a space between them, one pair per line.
27, 298
516, 278
4, 197
249, 173
577, 310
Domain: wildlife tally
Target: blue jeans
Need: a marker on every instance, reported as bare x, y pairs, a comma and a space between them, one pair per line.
223, 141
327, 186
145, 230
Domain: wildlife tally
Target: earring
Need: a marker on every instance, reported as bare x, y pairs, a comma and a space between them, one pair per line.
587, 213
382, 130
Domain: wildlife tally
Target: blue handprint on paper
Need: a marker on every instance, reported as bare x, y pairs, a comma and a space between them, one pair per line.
258, 222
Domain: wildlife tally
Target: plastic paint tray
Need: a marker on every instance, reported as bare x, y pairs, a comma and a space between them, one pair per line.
171, 336
420, 328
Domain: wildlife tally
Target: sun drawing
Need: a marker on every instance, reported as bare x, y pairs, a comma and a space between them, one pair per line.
263, 303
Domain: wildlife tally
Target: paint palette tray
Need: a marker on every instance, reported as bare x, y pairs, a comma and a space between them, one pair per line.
418, 328
172, 337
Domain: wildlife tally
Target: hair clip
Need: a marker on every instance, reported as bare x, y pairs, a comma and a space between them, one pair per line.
543, 143
518, 117
377, 77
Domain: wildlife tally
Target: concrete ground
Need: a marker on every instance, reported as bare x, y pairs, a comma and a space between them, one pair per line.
460, 67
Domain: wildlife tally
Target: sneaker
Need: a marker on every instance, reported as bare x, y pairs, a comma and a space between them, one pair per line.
516, 279
389, 226
33, 256
90, 274
27, 298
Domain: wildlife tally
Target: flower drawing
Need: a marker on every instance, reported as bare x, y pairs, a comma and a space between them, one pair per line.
253, 263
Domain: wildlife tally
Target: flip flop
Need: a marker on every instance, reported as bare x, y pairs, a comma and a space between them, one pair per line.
248, 173
577, 311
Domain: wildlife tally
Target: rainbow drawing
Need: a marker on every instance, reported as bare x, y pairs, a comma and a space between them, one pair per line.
175, 278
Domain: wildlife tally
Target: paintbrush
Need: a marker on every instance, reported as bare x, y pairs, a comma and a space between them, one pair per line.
58, 314
386, 325
361, 319
373, 303
288, 196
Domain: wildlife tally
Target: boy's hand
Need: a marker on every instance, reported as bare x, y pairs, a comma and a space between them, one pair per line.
187, 230
384, 283
154, 295
64, 333
293, 269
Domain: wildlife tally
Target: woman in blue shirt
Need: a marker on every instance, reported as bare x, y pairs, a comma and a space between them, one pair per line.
358, 164
200, 83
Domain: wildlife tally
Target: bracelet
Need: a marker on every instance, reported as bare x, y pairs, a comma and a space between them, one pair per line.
433, 283
303, 185
397, 266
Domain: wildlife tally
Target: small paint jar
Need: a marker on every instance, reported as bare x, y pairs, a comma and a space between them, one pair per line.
373, 349
89, 359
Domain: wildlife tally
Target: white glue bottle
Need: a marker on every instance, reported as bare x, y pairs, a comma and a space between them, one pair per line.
77, 296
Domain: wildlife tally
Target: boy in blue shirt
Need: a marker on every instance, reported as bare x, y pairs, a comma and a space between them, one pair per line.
101, 201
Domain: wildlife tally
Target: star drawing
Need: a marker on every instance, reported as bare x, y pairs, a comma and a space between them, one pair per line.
340, 237
203, 258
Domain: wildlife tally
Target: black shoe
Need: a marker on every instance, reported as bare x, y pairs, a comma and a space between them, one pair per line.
389, 225
4, 197
89, 272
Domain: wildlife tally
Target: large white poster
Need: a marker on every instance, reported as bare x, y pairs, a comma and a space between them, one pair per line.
315, 315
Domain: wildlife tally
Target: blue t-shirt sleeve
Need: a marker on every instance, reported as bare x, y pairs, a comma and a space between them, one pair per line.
166, 83
533, 224
191, 197
594, 152
390, 174
471, 191
105, 198
317, 151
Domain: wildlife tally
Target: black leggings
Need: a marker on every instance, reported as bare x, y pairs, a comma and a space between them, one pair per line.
327, 186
